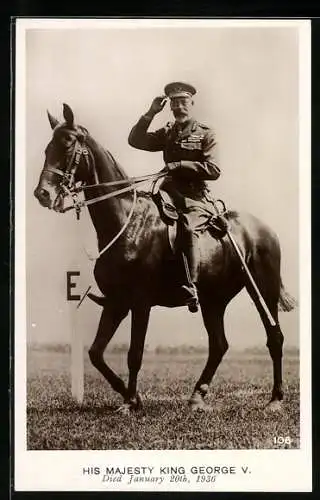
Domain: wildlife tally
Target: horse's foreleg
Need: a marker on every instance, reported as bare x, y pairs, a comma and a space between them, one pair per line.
110, 319
139, 324
218, 346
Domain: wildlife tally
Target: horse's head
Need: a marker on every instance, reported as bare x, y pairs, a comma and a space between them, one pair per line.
66, 161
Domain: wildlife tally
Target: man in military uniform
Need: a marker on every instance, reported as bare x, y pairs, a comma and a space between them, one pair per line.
188, 152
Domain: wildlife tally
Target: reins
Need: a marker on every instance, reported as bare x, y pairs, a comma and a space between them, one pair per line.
131, 180
117, 236
134, 181
70, 189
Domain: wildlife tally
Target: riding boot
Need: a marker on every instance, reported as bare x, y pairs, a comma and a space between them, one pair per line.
190, 260
187, 243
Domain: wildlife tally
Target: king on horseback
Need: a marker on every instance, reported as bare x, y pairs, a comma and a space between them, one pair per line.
136, 273
189, 155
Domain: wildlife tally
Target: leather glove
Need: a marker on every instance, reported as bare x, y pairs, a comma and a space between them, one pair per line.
157, 105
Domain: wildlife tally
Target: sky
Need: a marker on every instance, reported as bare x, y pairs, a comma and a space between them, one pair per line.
247, 91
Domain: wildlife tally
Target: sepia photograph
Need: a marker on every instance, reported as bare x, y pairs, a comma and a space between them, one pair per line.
162, 288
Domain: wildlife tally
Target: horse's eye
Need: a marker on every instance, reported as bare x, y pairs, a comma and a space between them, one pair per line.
66, 140
66, 137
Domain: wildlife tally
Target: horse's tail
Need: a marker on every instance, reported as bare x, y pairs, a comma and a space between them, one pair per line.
286, 301
98, 300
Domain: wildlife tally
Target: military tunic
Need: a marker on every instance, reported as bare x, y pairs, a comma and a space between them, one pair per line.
190, 153
190, 149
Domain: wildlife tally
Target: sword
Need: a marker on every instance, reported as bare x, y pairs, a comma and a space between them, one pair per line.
253, 283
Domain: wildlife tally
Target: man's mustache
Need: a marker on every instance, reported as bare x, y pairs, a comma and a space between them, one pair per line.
180, 111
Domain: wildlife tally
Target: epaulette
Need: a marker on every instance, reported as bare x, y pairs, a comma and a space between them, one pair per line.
202, 125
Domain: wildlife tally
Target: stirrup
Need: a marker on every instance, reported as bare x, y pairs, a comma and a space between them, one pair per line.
193, 305
192, 301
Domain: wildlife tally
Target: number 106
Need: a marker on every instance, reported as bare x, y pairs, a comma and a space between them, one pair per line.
280, 440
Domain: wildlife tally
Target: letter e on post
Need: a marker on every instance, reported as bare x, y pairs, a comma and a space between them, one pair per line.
71, 284
77, 361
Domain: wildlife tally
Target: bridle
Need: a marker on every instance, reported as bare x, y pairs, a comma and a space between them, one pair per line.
68, 184
69, 187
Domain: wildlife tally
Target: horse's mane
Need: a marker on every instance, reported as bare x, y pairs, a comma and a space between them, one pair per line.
103, 155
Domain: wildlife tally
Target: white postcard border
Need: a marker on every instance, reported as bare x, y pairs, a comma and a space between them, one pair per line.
271, 470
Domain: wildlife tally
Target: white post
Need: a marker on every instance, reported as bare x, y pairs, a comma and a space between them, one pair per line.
77, 356
84, 232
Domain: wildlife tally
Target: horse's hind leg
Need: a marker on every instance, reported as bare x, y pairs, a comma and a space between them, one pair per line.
213, 319
111, 317
267, 278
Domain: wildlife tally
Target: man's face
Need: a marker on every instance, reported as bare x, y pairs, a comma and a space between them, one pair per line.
181, 107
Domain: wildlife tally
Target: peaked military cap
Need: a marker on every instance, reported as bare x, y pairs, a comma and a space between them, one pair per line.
179, 89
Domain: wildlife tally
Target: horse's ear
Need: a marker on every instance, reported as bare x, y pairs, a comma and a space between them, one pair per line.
68, 115
53, 121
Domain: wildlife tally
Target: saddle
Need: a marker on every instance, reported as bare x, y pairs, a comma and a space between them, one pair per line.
212, 216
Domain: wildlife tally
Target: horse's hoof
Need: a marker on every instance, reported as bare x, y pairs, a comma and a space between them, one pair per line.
196, 403
124, 409
138, 402
275, 406
130, 405
199, 407
203, 407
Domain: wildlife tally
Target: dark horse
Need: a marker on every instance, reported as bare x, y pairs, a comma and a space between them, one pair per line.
140, 270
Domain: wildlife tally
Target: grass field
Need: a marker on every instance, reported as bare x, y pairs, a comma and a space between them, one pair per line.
238, 396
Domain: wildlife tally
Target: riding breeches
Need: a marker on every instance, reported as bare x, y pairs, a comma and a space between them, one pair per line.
193, 213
